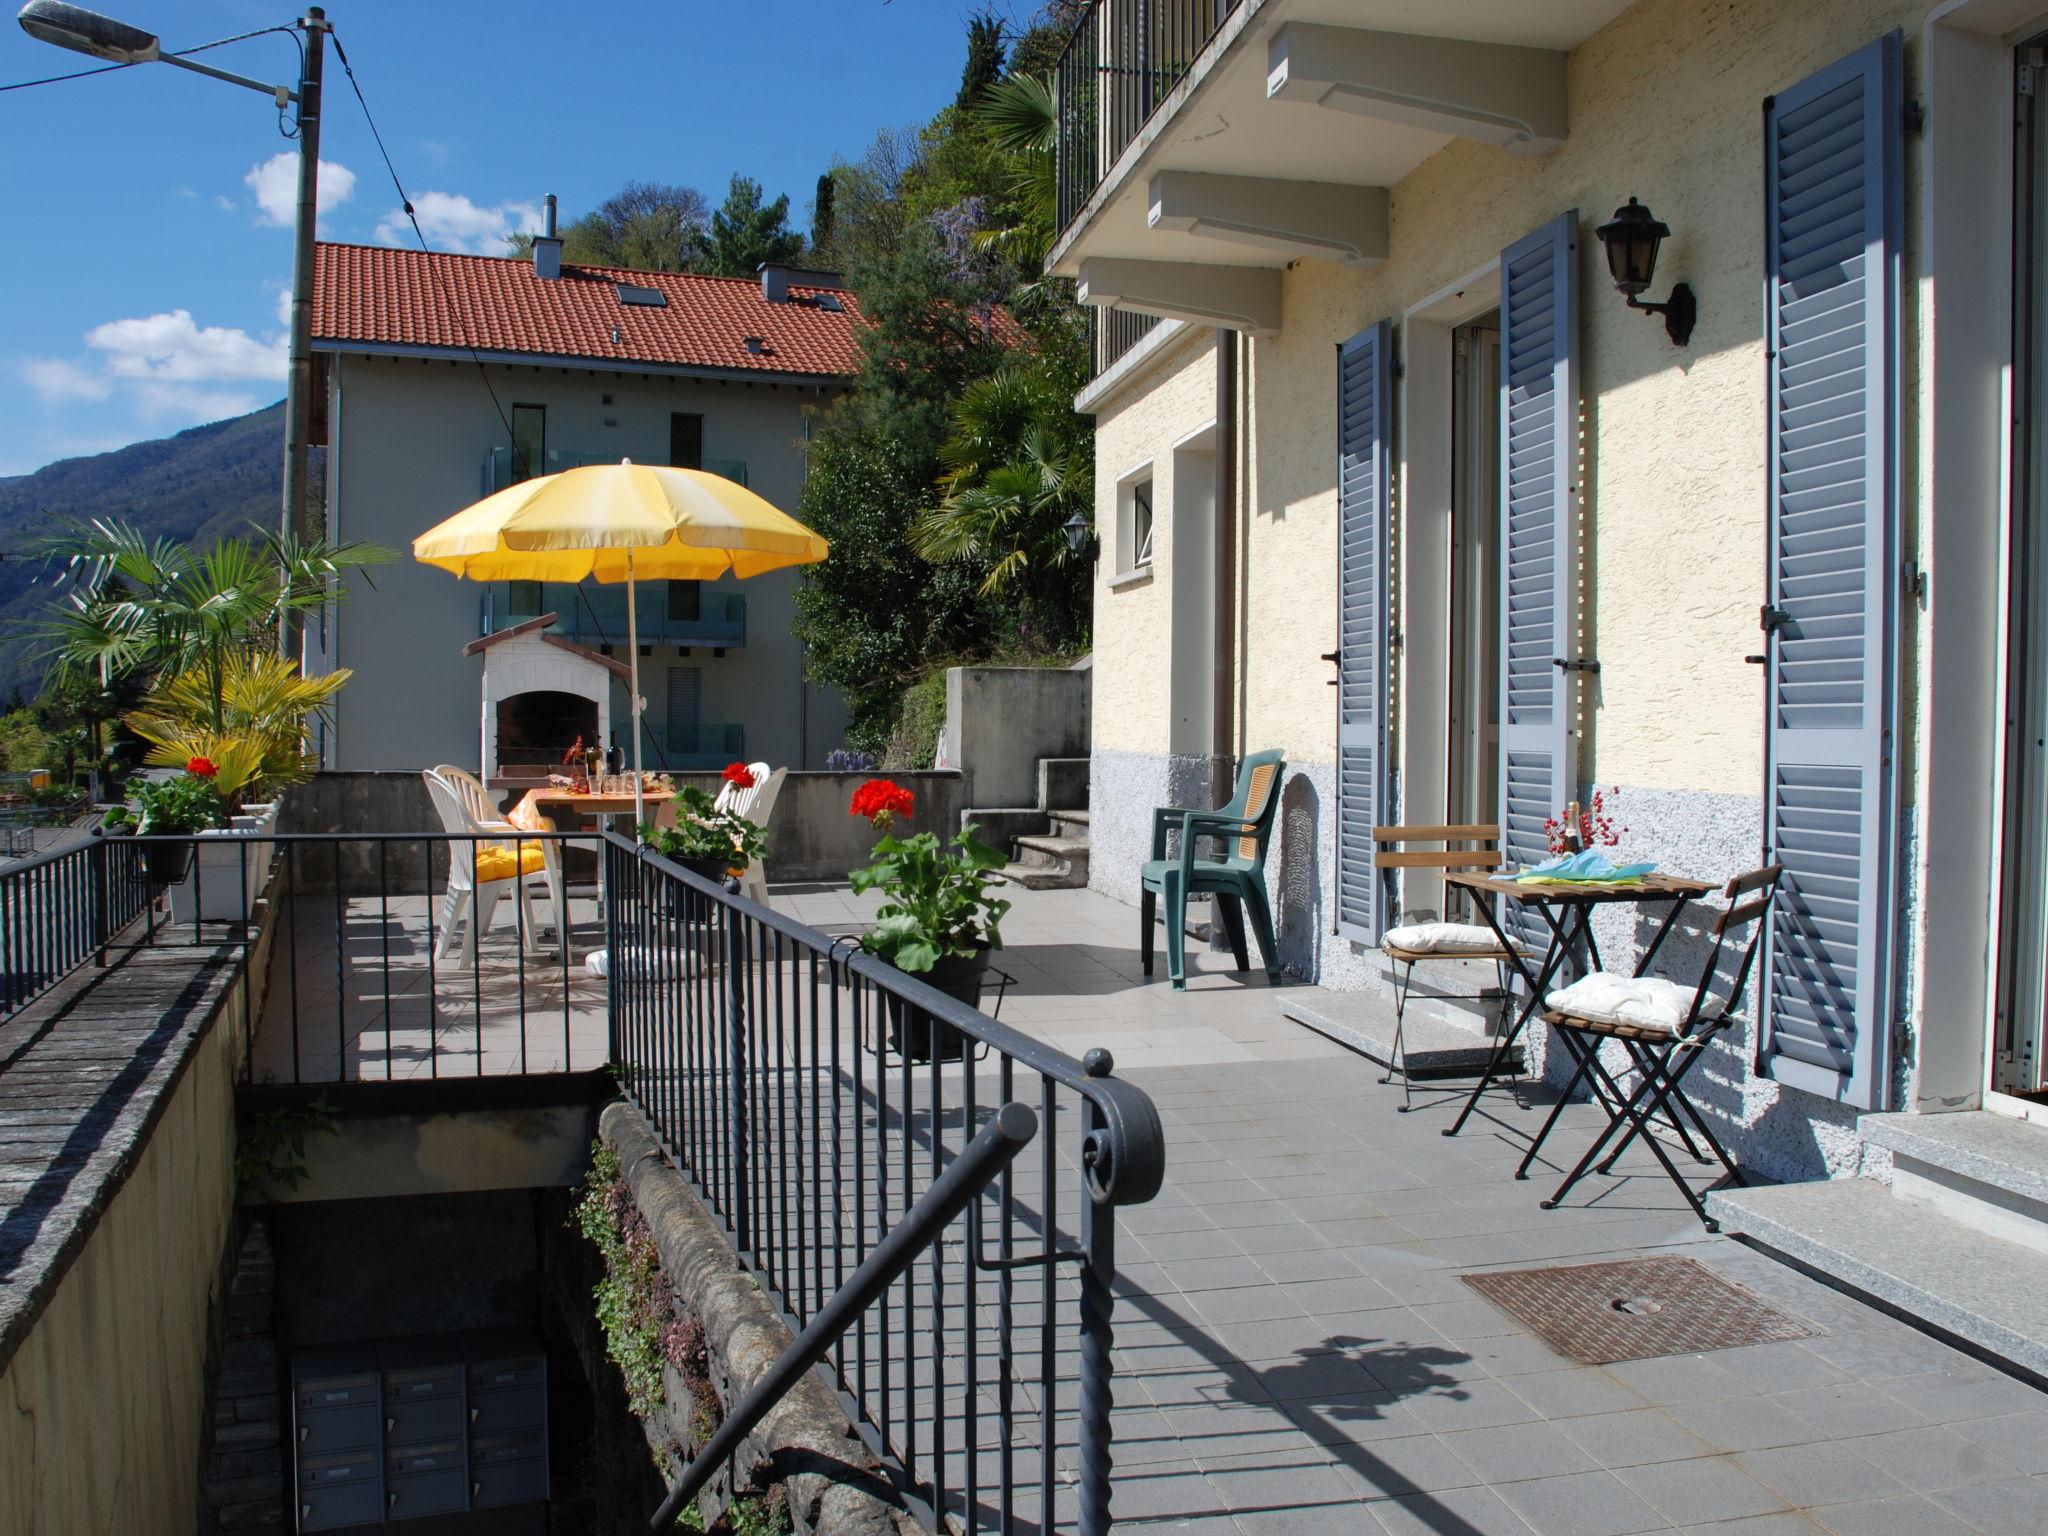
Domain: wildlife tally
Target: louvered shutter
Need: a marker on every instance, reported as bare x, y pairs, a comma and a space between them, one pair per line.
1363, 453
1539, 403
1833, 188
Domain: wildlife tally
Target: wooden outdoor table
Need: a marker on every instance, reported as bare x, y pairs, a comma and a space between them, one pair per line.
1566, 908
552, 800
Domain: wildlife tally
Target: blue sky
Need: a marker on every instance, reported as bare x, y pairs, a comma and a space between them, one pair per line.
144, 215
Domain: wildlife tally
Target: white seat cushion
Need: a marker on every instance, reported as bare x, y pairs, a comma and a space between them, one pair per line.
1647, 1002
1443, 939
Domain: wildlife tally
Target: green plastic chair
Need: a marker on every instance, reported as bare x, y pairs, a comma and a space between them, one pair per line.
1237, 882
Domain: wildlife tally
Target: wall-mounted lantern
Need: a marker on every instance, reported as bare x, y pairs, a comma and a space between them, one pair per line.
1077, 531
1632, 237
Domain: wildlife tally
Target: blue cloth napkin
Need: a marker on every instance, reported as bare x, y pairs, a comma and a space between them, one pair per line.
1591, 867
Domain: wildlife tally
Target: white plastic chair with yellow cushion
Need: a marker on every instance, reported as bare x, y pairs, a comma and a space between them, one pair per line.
476, 881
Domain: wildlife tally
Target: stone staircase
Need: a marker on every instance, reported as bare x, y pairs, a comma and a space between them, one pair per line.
1047, 842
1957, 1239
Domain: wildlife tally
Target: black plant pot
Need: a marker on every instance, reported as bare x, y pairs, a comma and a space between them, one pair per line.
166, 863
915, 1034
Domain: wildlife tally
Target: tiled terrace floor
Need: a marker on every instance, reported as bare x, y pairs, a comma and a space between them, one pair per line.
1298, 1353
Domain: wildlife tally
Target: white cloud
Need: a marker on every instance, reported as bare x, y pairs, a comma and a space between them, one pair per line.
451, 222
275, 186
57, 378
223, 202
170, 348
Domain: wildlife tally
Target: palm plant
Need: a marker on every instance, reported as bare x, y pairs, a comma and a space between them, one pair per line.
1011, 517
1022, 118
246, 717
136, 604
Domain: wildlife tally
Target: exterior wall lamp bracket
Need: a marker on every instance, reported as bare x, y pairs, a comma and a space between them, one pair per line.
1631, 238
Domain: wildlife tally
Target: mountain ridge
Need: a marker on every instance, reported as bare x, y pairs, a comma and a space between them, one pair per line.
205, 483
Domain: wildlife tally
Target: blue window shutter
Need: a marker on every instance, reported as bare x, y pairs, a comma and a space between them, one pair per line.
1833, 190
1364, 465
1539, 404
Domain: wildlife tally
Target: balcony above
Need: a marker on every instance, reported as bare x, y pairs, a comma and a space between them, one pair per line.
501, 467
1205, 144
681, 613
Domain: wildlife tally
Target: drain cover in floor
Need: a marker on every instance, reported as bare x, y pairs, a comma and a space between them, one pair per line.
1632, 1310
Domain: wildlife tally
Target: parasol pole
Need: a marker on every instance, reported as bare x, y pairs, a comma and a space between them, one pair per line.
633, 704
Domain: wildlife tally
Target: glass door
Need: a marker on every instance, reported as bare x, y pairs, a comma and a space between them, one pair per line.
2019, 1062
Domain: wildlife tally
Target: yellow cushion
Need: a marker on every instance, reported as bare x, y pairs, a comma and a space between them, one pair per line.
502, 864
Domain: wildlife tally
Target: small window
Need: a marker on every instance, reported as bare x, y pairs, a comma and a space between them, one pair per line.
1134, 524
686, 440
685, 602
522, 601
634, 293
830, 301
529, 441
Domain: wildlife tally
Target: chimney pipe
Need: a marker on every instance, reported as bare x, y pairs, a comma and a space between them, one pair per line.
547, 245
774, 283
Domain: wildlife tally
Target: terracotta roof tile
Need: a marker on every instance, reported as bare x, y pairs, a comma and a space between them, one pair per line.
400, 298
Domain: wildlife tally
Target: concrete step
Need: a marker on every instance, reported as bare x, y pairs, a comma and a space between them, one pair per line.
1364, 1021
1034, 877
1049, 864
1959, 1281
1002, 825
1983, 1170
1072, 824
1063, 783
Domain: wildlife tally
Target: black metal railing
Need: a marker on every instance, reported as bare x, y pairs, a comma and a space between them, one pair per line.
1114, 332
1123, 58
366, 962
813, 1094
61, 908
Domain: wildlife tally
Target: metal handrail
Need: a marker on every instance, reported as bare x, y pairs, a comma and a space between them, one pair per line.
992, 1150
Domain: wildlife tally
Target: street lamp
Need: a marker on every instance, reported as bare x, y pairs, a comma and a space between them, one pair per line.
1077, 530
101, 37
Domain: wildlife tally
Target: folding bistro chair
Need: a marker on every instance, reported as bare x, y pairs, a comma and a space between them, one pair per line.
1664, 1037
1414, 944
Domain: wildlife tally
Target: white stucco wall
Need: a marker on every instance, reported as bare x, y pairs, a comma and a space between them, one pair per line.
411, 438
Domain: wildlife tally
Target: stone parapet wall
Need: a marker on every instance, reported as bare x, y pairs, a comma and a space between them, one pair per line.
834, 1484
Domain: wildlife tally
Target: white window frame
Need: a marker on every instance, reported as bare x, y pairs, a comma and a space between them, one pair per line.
1135, 487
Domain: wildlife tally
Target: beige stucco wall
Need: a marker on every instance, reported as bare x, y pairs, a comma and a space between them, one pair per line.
1665, 104
1173, 398
412, 438
102, 1408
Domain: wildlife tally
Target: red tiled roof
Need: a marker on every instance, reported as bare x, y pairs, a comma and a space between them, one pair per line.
377, 295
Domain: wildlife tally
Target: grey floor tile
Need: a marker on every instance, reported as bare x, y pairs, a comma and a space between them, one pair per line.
1826, 1472
1906, 1514
1197, 1275
1481, 1403
1388, 1469
1703, 1488
1206, 1242
1842, 1413
1932, 1457
2019, 1438
1466, 1511
1508, 1453
1571, 1393
1965, 1391
1582, 1504
1314, 1377
1245, 1304
1783, 1524
1291, 1268
1634, 1438
1745, 1424
1670, 1379
2017, 1507
1354, 1418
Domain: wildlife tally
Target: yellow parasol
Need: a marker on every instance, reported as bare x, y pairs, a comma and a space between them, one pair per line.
620, 522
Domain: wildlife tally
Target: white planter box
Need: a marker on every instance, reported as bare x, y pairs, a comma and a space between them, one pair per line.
229, 870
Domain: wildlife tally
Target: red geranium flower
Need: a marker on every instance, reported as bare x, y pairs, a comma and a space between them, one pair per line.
881, 801
740, 774
200, 767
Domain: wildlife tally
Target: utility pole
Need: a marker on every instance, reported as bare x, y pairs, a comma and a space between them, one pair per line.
294, 520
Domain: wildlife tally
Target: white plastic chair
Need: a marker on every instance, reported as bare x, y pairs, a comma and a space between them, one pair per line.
756, 802
464, 806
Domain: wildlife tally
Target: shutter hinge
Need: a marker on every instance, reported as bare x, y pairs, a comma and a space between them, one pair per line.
1915, 580
2027, 81
1393, 639
1770, 620
1575, 663
1915, 115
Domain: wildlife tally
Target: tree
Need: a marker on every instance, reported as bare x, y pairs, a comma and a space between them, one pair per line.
984, 65
822, 214
745, 232
651, 226
24, 744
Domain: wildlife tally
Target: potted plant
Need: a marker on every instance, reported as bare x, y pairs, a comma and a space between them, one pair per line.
937, 921
182, 806
707, 839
